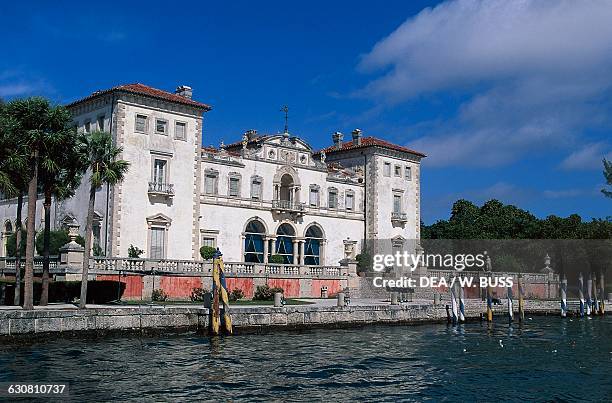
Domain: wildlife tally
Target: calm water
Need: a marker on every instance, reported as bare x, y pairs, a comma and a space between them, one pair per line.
547, 359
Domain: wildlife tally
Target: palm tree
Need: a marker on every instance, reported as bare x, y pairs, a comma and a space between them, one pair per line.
101, 155
13, 177
37, 122
62, 167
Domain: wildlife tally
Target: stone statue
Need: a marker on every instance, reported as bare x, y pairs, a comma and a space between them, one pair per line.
323, 156
245, 141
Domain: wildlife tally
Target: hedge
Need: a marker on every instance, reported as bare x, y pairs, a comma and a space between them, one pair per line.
98, 292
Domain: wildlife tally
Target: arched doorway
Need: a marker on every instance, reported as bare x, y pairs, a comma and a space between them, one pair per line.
312, 245
254, 241
285, 234
286, 188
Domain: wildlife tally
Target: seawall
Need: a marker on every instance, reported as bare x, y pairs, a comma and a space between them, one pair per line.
98, 321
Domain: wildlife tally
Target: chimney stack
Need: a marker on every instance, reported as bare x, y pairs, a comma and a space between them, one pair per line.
357, 137
184, 91
337, 138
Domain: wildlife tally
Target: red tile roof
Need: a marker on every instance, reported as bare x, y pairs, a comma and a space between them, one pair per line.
142, 89
370, 142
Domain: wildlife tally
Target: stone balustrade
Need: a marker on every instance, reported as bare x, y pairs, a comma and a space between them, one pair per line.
7, 264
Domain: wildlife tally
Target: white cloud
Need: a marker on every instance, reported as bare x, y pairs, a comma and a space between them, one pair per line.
588, 157
535, 75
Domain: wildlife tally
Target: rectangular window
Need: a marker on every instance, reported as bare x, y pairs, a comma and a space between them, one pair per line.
158, 243
180, 130
397, 203
332, 201
159, 171
349, 201
234, 187
87, 127
398, 170
210, 182
161, 126
408, 173
314, 197
207, 241
387, 169
141, 124
101, 123
256, 189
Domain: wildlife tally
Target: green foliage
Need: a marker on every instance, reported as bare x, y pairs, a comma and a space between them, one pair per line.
57, 239
97, 250
495, 220
207, 252
364, 261
102, 159
607, 172
11, 244
266, 293
276, 259
134, 252
236, 295
198, 294
159, 295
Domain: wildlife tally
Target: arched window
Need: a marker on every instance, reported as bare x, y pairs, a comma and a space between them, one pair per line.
254, 242
312, 245
284, 242
8, 228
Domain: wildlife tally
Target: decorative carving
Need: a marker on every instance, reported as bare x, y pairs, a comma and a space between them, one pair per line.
323, 156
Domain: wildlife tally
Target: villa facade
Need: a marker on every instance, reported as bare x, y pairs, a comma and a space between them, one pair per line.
264, 195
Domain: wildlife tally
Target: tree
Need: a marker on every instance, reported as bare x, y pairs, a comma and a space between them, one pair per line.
61, 168
36, 122
608, 175
104, 168
13, 177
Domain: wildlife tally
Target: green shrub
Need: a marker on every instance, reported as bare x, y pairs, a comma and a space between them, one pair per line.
97, 250
276, 259
57, 239
364, 261
236, 294
198, 294
159, 295
266, 293
134, 252
207, 252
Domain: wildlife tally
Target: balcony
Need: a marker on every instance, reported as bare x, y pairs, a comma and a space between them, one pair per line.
286, 206
400, 218
161, 189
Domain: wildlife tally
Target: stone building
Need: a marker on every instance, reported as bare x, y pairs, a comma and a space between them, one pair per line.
263, 195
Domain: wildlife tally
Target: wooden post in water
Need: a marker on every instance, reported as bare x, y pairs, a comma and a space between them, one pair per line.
520, 297
595, 299
510, 304
453, 297
563, 296
489, 301
602, 296
461, 304
581, 293
589, 301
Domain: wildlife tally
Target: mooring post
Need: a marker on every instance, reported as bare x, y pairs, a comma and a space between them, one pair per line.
448, 317
602, 296
453, 298
589, 301
521, 300
563, 293
489, 300
461, 304
595, 299
341, 299
510, 304
581, 293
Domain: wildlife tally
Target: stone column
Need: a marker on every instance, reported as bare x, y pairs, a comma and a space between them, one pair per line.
322, 252
265, 249
295, 251
242, 238
272, 241
302, 242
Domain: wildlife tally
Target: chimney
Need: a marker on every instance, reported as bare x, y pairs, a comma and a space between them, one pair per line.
357, 137
337, 138
184, 91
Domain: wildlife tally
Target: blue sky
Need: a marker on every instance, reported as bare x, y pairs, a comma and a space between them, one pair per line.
510, 100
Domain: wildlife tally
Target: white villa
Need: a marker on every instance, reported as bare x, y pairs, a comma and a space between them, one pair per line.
267, 194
